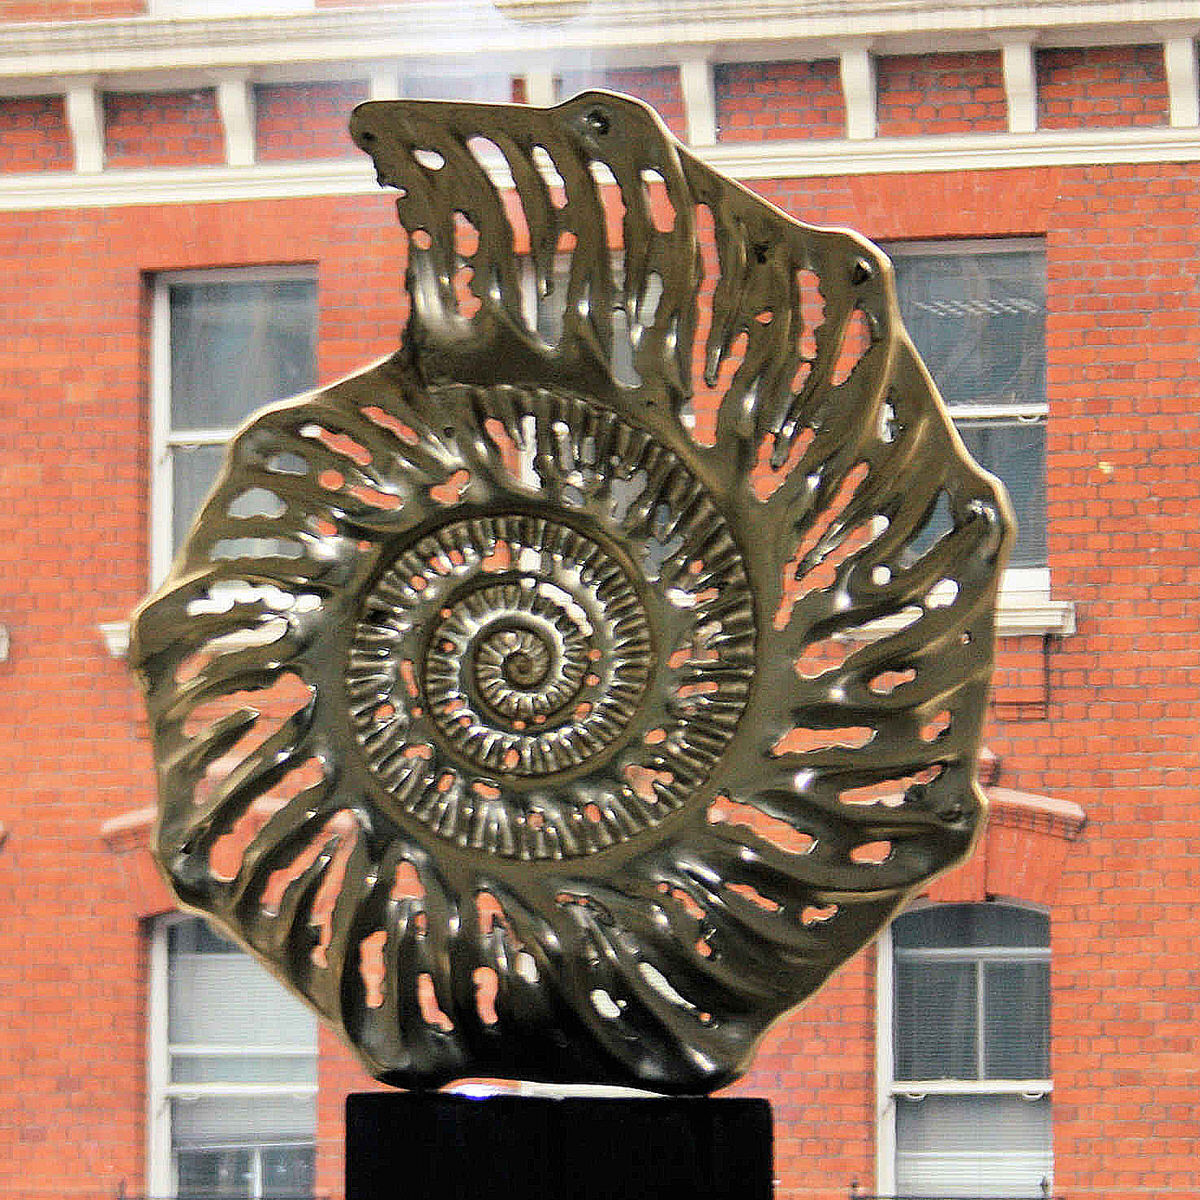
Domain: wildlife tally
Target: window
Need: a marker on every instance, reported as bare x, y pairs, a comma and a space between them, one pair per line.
224, 343
233, 1073
977, 314
964, 1058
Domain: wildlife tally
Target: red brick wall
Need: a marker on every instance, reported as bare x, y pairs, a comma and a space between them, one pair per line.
940, 93
1103, 86
305, 120
162, 129
34, 134
765, 100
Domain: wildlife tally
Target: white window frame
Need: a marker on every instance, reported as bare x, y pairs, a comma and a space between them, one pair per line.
160, 1091
888, 1088
1025, 604
163, 440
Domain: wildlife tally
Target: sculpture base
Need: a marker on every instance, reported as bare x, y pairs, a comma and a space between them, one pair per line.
403, 1145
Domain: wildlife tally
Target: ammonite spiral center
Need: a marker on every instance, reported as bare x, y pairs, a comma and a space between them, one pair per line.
539, 653
557, 672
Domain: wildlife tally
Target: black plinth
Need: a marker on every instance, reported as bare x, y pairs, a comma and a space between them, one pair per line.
404, 1146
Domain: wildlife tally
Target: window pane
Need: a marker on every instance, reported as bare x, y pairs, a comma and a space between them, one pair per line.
214, 1174
193, 469
229, 1000
288, 1171
242, 1120
1016, 999
947, 926
935, 1020
194, 936
979, 321
1015, 451
243, 1068
236, 345
973, 1146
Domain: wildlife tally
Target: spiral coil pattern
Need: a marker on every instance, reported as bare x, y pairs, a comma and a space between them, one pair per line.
521, 650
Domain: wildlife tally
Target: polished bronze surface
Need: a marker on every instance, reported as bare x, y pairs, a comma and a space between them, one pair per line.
542, 724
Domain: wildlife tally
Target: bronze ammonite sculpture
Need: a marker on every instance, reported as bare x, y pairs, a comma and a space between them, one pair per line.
532, 727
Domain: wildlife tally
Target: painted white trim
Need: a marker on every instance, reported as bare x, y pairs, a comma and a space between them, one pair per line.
4, 643
459, 29
198, 437
198, 1091
1020, 83
857, 69
980, 245
225, 1050
85, 118
1019, 410
764, 160
885, 1067
965, 152
116, 637
918, 1089
187, 185
699, 100
973, 954
235, 101
1183, 80
158, 1067
1018, 614
541, 87
384, 84
160, 424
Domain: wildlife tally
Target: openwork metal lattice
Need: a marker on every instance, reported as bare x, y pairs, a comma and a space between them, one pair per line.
527, 717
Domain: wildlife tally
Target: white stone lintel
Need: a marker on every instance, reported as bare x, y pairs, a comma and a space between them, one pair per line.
383, 84
85, 117
1183, 84
116, 637
235, 101
699, 99
1020, 82
540, 87
858, 90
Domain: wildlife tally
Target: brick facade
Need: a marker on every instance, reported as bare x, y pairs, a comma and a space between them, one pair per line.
1108, 87
298, 121
1104, 718
34, 134
162, 129
939, 93
762, 101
